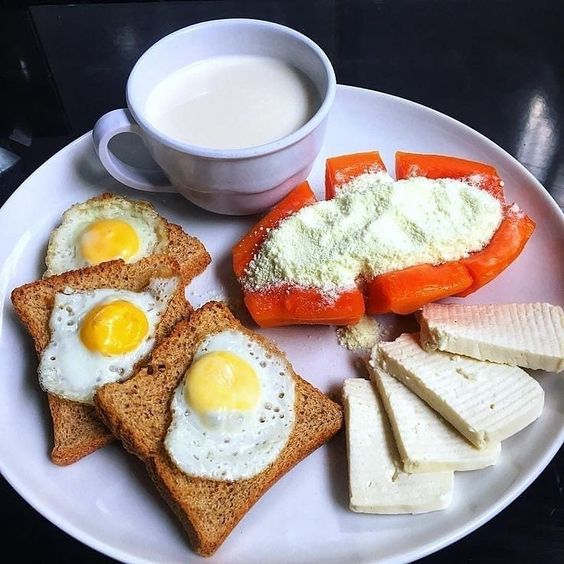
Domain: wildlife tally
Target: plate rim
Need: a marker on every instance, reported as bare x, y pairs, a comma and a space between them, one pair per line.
425, 548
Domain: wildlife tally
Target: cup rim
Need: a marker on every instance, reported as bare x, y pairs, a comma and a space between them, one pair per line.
255, 150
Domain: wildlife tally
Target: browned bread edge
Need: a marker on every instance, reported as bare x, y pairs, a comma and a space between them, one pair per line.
77, 430
187, 250
88, 432
208, 509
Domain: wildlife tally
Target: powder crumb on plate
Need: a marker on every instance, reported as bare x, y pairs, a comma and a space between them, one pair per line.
360, 337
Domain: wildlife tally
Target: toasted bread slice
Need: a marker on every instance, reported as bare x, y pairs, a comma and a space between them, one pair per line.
138, 413
77, 429
188, 251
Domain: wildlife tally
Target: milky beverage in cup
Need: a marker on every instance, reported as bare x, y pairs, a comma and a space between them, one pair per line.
233, 113
232, 102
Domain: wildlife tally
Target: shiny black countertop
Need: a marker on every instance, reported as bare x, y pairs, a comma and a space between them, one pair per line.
496, 65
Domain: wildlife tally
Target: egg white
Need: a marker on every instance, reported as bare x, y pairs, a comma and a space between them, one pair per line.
235, 445
68, 368
63, 252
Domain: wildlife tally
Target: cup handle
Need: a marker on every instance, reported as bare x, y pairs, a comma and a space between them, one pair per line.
121, 121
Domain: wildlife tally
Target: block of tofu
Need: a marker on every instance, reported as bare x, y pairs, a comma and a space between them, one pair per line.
527, 335
425, 441
484, 401
377, 482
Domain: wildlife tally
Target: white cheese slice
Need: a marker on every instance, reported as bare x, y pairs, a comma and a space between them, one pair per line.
377, 482
425, 441
486, 402
528, 335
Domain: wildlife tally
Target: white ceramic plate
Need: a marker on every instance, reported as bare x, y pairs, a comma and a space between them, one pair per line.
108, 502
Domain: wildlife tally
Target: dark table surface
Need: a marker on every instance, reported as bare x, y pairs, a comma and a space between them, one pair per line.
496, 65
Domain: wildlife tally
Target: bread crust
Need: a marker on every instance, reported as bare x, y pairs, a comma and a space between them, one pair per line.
77, 429
138, 413
87, 433
188, 251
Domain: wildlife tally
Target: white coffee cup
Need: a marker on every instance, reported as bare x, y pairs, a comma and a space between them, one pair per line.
228, 181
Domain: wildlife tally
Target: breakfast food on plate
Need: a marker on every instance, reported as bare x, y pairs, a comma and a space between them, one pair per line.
216, 412
92, 326
527, 335
218, 416
105, 332
233, 412
446, 412
484, 401
441, 229
110, 227
442, 166
361, 336
425, 441
342, 169
377, 481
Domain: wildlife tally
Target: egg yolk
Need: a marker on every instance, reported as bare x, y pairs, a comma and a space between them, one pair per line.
114, 328
109, 239
221, 381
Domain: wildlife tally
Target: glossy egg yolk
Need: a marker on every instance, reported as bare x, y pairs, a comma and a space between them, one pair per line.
109, 239
114, 328
221, 381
